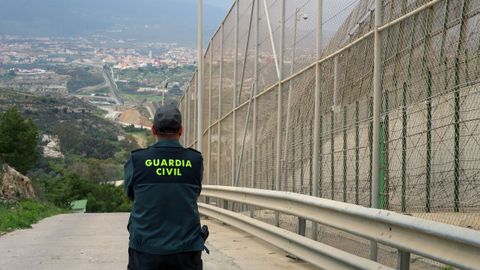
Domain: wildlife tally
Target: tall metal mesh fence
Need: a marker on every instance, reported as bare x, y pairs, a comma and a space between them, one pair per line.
429, 137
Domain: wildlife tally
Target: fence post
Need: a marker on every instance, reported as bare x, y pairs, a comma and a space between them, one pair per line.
428, 173
404, 148
460, 47
428, 156
293, 163
357, 152
195, 114
377, 103
186, 119
332, 154
255, 91
302, 152
185, 115
209, 140
278, 153
316, 180
345, 153
200, 78
234, 94
219, 125
332, 126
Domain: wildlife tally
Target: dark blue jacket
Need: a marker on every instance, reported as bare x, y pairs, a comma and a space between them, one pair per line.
164, 182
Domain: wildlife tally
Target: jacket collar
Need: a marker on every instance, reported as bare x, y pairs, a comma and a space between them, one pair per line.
167, 143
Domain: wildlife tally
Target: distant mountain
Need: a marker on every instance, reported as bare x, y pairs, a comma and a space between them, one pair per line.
149, 20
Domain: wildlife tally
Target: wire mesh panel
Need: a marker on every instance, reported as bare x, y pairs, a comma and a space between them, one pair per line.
246, 50
214, 86
429, 163
228, 64
266, 137
297, 133
425, 79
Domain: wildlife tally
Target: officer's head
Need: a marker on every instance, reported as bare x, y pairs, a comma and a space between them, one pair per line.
167, 123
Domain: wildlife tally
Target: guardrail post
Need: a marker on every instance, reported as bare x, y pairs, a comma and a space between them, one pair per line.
377, 103
403, 260
302, 225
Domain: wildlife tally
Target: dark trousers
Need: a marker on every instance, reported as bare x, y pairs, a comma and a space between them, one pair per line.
180, 261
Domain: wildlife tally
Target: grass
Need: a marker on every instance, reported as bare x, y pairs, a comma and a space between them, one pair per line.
23, 214
103, 90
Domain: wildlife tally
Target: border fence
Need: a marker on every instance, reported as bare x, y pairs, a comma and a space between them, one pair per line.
393, 95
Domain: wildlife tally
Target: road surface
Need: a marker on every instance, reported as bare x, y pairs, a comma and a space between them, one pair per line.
113, 86
99, 241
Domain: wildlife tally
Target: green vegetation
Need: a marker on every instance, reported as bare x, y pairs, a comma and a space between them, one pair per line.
18, 140
63, 189
6, 75
152, 97
103, 90
80, 77
142, 136
94, 152
155, 76
88, 142
152, 77
80, 127
20, 215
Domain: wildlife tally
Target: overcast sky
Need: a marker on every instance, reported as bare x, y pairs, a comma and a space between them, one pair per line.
334, 11
331, 7
226, 4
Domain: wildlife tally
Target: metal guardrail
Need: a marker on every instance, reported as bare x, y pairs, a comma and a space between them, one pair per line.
448, 244
314, 252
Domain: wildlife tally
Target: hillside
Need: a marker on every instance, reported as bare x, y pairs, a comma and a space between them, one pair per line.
80, 127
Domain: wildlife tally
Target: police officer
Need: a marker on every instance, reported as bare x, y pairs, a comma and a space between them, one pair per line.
164, 182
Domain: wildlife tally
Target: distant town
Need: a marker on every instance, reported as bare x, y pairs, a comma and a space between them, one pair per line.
122, 54
126, 78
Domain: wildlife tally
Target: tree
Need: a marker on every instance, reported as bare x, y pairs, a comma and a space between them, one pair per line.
18, 140
12, 73
176, 90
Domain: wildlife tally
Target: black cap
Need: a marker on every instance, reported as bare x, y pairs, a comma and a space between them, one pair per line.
167, 119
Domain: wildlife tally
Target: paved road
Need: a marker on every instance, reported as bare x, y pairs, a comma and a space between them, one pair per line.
99, 241
113, 86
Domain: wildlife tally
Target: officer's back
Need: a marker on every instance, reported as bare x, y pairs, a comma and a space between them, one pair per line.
164, 182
